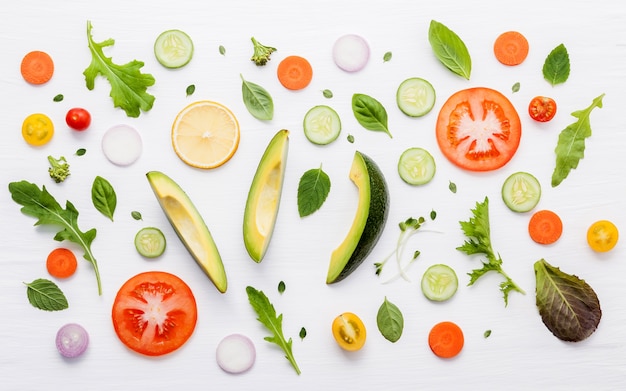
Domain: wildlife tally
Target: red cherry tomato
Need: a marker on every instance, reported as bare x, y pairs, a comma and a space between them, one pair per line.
78, 119
542, 108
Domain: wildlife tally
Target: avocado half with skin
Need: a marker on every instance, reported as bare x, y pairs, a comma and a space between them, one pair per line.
369, 222
189, 226
264, 196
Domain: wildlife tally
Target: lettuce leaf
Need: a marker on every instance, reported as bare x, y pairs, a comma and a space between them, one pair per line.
568, 306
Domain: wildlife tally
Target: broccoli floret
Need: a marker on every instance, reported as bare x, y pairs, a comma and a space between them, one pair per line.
261, 53
59, 169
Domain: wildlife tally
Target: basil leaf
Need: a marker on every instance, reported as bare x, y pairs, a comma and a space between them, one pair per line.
449, 49
222, 50
302, 333
515, 87
58, 98
370, 113
452, 187
81, 151
103, 197
313, 189
191, 88
556, 66
257, 100
327, 93
387, 56
281, 287
136, 215
390, 321
46, 295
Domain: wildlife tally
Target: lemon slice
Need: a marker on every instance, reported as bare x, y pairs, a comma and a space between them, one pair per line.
205, 134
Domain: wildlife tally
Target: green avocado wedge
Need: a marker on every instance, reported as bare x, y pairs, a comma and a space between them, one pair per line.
189, 226
264, 196
369, 222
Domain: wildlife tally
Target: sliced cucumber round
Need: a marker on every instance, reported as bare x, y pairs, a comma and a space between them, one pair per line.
322, 125
173, 49
415, 97
416, 166
521, 192
150, 242
439, 282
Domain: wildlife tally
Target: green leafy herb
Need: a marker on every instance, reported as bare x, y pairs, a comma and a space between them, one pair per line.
370, 113
267, 316
136, 215
103, 197
408, 228
191, 88
568, 306
257, 100
556, 66
515, 87
80, 151
571, 145
477, 231
40, 204
58, 98
433, 214
46, 295
313, 189
128, 84
327, 93
350, 138
302, 333
222, 50
452, 187
449, 49
281, 287
487, 333
387, 56
390, 321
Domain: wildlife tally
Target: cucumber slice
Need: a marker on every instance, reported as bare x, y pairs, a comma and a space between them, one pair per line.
416, 166
415, 97
173, 49
521, 192
439, 282
322, 125
150, 242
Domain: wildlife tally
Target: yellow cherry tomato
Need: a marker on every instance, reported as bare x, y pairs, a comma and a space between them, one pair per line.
37, 129
349, 331
602, 236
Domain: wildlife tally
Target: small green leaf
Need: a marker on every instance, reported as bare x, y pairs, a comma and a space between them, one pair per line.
190, 89
350, 138
222, 50
390, 321
46, 295
81, 151
387, 56
556, 68
487, 333
515, 87
452, 187
281, 287
58, 98
370, 113
257, 100
136, 215
449, 49
103, 197
302, 333
313, 189
433, 214
327, 93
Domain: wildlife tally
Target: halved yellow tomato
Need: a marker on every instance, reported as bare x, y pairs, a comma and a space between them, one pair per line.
37, 129
602, 236
349, 331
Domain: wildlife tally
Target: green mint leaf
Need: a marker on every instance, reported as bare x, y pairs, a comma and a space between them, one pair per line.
449, 49
222, 50
327, 94
103, 197
58, 98
313, 189
136, 215
46, 295
452, 187
302, 333
281, 287
190, 89
257, 100
350, 138
515, 87
370, 113
128, 84
81, 151
390, 321
556, 67
571, 145
433, 214
387, 56
487, 333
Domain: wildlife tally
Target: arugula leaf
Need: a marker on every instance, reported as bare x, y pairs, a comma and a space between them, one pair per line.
568, 306
449, 49
370, 113
267, 316
556, 66
257, 100
128, 84
478, 234
571, 145
313, 189
103, 197
40, 204
46, 295
390, 321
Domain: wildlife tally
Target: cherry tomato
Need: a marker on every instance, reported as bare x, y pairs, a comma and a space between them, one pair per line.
478, 129
349, 331
602, 236
78, 119
542, 108
37, 129
154, 313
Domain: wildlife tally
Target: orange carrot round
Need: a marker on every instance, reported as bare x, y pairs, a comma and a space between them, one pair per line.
37, 67
294, 72
545, 227
511, 48
446, 339
61, 263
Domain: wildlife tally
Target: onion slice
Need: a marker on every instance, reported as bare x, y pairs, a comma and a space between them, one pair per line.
72, 340
122, 145
351, 52
235, 353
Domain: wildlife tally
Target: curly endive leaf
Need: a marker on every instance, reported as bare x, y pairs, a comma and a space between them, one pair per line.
568, 306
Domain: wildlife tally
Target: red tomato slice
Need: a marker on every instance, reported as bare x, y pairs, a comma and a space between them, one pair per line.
478, 129
542, 108
154, 313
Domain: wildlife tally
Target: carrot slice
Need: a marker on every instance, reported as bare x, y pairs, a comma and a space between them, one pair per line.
545, 227
294, 72
446, 339
37, 67
511, 48
61, 263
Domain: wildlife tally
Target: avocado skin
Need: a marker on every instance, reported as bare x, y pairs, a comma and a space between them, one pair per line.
376, 219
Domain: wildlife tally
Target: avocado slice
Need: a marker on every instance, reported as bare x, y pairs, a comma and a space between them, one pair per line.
369, 222
264, 196
189, 226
